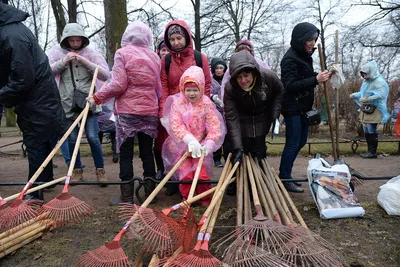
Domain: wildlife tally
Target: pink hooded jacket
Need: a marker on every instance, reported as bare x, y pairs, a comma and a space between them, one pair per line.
182, 118
135, 81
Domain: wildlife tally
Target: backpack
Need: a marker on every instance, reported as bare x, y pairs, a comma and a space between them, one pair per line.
197, 57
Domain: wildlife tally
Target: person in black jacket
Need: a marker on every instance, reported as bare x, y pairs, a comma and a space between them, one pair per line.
27, 83
299, 79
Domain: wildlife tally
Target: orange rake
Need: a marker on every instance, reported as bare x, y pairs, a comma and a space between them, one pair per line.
163, 234
111, 254
66, 209
159, 231
200, 255
22, 210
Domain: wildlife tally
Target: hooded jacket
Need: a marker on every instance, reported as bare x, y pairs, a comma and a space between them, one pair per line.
297, 72
26, 80
136, 83
250, 114
185, 120
375, 88
214, 62
180, 61
82, 74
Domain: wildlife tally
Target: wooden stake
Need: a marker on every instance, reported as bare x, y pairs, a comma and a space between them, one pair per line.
321, 58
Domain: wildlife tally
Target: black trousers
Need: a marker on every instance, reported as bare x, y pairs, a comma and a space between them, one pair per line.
145, 154
37, 153
256, 146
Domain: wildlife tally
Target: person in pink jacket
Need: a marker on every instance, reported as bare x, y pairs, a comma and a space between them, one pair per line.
179, 42
193, 124
136, 86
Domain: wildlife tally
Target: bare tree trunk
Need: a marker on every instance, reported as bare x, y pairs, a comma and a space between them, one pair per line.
197, 40
35, 26
59, 16
72, 12
10, 117
116, 21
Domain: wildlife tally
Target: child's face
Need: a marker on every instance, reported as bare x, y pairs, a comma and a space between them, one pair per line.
163, 51
245, 79
192, 93
75, 42
177, 41
219, 70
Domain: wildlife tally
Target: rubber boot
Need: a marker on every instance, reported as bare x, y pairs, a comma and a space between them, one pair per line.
172, 189
372, 141
367, 139
149, 186
114, 150
126, 195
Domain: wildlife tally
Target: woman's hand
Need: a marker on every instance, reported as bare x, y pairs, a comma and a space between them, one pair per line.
91, 101
70, 56
323, 76
364, 99
82, 60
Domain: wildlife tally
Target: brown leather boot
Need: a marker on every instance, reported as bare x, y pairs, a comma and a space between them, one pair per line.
77, 175
100, 176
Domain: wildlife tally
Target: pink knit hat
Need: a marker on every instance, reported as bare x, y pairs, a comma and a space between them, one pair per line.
245, 43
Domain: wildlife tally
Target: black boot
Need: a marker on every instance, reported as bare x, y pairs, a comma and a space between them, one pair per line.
231, 189
37, 195
172, 189
372, 141
126, 195
159, 164
291, 187
149, 187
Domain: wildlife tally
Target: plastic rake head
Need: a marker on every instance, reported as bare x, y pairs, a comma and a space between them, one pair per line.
162, 235
310, 249
249, 255
269, 236
110, 255
66, 209
196, 258
18, 212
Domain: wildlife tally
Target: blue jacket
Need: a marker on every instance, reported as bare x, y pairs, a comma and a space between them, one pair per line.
376, 88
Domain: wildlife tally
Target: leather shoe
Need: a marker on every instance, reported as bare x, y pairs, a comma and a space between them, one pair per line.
291, 187
38, 195
298, 183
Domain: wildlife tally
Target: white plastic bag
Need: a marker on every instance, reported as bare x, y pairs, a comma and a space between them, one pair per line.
389, 196
330, 188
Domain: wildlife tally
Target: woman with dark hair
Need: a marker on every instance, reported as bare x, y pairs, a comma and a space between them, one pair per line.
299, 79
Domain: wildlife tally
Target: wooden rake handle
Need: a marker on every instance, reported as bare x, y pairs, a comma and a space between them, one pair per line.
196, 176
259, 213
262, 190
217, 196
36, 188
239, 200
289, 199
82, 128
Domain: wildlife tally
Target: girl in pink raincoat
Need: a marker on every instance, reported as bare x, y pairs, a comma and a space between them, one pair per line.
193, 123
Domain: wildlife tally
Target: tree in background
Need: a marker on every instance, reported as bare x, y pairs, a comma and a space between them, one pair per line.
116, 21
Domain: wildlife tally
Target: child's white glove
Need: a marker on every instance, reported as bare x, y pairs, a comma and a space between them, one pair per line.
194, 147
217, 101
207, 147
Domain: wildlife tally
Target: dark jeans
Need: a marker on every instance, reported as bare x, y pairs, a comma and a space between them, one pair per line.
37, 153
296, 138
256, 146
145, 154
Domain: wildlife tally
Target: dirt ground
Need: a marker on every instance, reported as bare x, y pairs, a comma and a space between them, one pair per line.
372, 240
